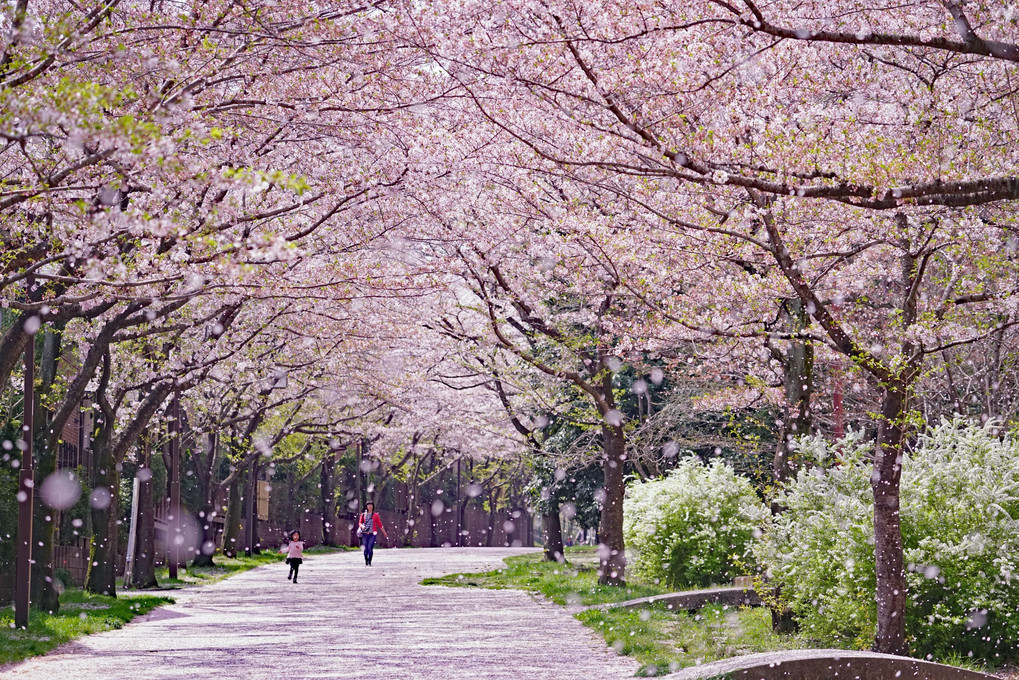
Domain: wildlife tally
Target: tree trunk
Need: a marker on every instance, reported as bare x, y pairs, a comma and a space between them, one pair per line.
612, 551
359, 480
109, 453
493, 503
783, 621
203, 557
291, 509
207, 489
891, 577
461, 509
327, 491
43, 584
43, 591
252, 544
101, 576
412, 520
232, 534
890, 637
144, 570
798, 364
553, 535
12, 345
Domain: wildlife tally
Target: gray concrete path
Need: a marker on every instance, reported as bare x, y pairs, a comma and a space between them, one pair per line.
344, 620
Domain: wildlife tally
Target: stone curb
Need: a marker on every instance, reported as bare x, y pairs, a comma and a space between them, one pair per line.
826, 664
690, 600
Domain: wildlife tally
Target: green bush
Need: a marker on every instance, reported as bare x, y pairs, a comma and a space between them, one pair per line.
65, 578
960, 502
8, 517
693, 527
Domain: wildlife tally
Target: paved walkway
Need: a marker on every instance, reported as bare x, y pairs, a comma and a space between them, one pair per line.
344, 620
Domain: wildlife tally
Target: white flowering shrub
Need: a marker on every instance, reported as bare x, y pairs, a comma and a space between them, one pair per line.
695, 526
959, 511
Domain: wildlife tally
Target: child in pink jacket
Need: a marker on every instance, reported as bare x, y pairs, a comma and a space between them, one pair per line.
295, 552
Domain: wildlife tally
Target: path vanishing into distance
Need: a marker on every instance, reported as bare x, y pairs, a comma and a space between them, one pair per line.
345, 620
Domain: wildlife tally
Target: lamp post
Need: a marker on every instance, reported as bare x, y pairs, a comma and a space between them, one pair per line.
26, 485
250, 532
459, 507
175, 525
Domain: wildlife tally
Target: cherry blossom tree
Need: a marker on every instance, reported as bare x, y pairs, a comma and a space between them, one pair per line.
145, 165
400, 204
830, 140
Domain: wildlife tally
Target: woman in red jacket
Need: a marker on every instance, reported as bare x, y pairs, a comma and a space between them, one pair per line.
369, 524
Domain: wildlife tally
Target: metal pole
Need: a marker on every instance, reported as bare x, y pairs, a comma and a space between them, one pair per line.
459, 508
174, 527
132, 540
23, 569
252, 509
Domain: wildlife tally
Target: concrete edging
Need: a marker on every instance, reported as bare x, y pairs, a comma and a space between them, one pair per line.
691, 600
827, 664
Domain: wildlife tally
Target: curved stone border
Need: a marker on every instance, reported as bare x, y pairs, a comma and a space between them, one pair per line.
691, 600
826, 664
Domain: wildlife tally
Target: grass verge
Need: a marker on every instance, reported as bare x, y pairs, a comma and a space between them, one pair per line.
664, 641
660, 640
83, 613
80, 614
222, 568
573, 583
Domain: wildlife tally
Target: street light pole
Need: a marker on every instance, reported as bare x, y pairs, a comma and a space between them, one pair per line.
459, 507
174, 526
23, 569
249, 540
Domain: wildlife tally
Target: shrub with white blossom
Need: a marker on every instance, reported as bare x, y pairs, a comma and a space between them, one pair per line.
959, 511
693, 527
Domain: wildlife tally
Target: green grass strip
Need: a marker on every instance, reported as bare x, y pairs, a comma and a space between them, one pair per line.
661, 641
83, 613
664, 641
80, 614
574, 583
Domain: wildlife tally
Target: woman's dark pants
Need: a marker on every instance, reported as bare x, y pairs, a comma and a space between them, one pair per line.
368, 541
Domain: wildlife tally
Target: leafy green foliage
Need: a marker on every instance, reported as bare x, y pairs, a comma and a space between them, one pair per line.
553, 489
960, 495
8, 492
8, 518
693, 527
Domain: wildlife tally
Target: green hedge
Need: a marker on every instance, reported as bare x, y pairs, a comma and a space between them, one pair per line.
959, 511
695, 526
